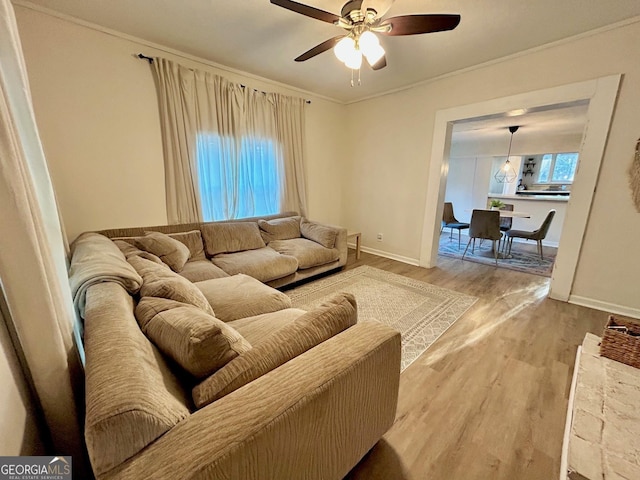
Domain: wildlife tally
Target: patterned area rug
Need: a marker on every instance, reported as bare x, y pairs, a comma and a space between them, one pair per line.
421, 312
524, 257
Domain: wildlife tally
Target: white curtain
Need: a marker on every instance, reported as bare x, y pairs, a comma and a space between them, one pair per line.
229, 151
33, 268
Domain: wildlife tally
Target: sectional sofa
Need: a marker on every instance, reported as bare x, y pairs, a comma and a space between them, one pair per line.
197, 368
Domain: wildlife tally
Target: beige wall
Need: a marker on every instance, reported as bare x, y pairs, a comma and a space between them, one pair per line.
389, 170
97, 112
20, 434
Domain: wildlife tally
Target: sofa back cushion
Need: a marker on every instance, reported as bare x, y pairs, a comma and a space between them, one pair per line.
231, 237
319, 233
293, 339
279, 228
132, 397
160, 281
193, 241
195, 340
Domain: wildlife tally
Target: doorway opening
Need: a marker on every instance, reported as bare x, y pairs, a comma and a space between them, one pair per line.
543, 157
601, 95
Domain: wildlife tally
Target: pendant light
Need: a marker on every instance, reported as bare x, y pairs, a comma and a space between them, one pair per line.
507, 173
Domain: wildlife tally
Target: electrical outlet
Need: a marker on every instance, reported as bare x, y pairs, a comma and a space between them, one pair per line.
379, 237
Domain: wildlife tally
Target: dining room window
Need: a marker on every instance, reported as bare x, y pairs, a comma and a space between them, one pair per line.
558, 167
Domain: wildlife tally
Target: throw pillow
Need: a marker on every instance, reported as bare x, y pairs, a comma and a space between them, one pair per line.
170, 251
322, 234
293, 339
195, 340
159, 281
279, 228
231, 237
128, 250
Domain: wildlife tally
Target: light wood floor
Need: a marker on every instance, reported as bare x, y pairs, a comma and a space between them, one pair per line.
488, 400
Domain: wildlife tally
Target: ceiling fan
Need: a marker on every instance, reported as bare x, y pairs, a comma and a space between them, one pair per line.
362, 21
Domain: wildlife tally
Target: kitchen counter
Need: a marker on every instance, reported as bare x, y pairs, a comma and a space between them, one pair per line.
533, 197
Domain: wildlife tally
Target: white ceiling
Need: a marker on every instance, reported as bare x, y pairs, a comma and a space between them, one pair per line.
559, 119
544, 128
263, 39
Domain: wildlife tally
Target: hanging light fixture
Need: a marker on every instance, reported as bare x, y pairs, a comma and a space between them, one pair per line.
362, 42
507, 173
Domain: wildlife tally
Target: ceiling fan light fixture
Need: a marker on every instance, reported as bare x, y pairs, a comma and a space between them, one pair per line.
362, 24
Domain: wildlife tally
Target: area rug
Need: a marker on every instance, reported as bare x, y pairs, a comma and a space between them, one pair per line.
523, 258
421, 312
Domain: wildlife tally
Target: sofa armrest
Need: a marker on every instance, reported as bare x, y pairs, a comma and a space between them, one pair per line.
314, 417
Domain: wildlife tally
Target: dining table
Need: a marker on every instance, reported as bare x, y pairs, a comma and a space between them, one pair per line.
514, 214
507, 213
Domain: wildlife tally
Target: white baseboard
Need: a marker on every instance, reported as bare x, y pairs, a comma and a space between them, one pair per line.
605, 306
392, 256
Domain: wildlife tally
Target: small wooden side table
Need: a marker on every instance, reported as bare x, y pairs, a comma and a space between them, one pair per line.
357, 236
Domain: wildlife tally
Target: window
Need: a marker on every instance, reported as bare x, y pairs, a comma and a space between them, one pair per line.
558, 168
238, 181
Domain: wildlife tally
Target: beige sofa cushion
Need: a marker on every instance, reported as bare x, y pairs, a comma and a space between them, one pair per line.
132, 397
255, 329
231, 237
242, 296
200, 270
307, 252
288, 342
264, 264
170, 251
159, 281
279, 228
193, 241
322, 234
195, 340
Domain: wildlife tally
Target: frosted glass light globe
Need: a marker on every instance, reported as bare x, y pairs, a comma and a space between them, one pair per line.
354, 60
374, 54
344, 49
368, 40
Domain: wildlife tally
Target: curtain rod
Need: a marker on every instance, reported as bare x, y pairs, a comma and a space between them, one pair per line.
150, 60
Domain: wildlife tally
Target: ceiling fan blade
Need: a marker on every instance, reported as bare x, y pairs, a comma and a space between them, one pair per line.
307, 10
380, 6
424, 23
348, 7
380, 64
318, 49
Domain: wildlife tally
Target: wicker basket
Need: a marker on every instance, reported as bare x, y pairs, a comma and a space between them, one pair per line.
620, 344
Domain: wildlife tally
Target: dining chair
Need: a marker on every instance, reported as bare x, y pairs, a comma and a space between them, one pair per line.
449, 221
485, 224
506, 222
538, 235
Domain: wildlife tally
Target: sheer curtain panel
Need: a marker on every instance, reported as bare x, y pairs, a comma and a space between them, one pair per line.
229, 151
